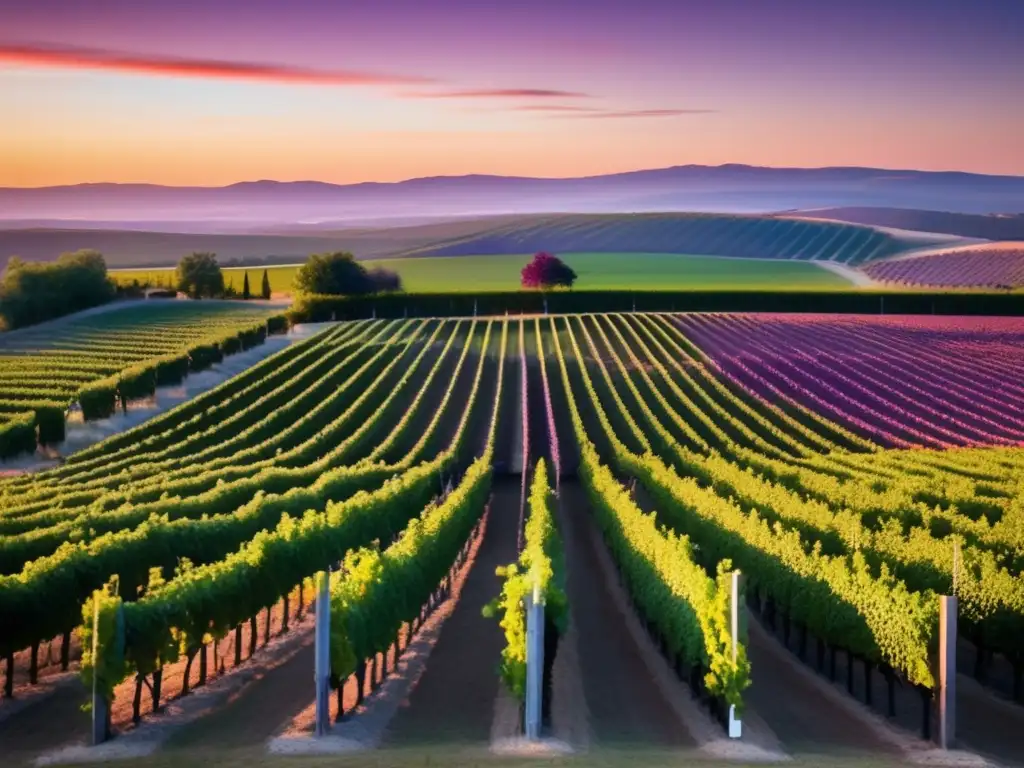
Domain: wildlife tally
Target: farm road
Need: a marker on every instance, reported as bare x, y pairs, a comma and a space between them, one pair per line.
454, 700
857, 278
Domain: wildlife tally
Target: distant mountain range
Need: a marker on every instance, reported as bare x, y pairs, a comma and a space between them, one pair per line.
253, 206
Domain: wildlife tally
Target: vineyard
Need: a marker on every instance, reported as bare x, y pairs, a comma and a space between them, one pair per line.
694, 233
854, 469
999, 267
109, 358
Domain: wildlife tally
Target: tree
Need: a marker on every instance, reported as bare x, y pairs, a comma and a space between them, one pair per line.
384, 280
547, 271
245, 288
266, 285
31, 292
198, 275
337, 274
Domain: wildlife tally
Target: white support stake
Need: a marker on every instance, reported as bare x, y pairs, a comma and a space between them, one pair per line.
534, 663
735, 606
947, 671
322, 655
99, 704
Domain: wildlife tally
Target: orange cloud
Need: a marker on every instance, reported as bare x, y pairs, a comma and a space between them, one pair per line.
70, 57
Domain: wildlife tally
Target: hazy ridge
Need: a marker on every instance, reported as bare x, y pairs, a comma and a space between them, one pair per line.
726, 188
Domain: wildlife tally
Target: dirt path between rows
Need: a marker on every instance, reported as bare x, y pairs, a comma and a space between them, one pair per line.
453, 702
625, 704
257, 710
805, 719
45, 724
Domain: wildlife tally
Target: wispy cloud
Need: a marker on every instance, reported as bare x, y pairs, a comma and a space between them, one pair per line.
499, 93
633, 113
552, 108
72, 57
588, 112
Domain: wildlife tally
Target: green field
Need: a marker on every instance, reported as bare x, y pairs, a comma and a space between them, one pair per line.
640, 271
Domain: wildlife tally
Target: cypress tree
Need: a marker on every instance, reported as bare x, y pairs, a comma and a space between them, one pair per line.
266, 285
245, 288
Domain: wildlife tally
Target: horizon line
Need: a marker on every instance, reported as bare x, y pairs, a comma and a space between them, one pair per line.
407, 180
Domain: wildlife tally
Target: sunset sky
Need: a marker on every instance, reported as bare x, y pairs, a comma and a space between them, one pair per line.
210, 92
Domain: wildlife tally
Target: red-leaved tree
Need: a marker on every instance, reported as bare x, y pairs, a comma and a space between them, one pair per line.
547, 271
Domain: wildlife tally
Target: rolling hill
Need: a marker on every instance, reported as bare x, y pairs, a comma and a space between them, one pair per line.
680, 233
757, 237
131, 248
1008, 226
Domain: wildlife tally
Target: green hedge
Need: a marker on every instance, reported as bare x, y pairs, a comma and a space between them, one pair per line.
202, 356
50, 421
323, 308
277, 324
137, 382
171, 369
49, 416
252, 337
231, 345
98, 398
18, 435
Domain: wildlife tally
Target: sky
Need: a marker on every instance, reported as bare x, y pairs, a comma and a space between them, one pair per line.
211, 92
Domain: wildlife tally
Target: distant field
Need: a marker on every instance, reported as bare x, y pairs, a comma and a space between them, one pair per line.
280, 277
640, 271
757, 237
771, 237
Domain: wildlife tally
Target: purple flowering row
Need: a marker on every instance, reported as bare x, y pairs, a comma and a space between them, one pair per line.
899, 381
982, 267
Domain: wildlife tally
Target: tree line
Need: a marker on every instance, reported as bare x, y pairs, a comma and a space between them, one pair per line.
32, 292
334, 274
